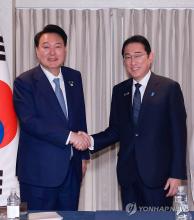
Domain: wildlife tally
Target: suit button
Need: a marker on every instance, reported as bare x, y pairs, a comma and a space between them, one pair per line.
136, 135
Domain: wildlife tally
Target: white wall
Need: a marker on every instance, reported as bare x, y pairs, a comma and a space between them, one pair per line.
106, 3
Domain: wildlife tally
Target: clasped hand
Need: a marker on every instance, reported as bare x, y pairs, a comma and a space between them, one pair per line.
80, 140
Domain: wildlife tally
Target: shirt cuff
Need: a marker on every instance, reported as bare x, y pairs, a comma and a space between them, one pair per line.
91, 147
67, 142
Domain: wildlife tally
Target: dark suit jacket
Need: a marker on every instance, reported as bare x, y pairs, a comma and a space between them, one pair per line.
158, 142
43, 158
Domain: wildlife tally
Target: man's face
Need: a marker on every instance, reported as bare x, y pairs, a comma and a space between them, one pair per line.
51, 52
136, 61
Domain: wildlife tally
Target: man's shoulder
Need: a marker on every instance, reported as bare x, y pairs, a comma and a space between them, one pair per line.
124, 84
28, 75
68, 70
163, 79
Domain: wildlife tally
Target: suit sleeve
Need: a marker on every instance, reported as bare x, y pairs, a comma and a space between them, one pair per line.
111, 134
30, 121
179, 132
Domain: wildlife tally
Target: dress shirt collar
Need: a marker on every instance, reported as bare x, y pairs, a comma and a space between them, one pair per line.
50, 76
143, 81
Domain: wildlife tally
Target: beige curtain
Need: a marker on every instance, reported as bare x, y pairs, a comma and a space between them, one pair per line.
95, 40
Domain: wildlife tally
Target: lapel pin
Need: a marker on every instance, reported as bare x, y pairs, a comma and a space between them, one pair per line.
126, 93
71, 83
152, 94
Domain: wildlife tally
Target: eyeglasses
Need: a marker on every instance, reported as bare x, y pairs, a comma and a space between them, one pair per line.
135, 57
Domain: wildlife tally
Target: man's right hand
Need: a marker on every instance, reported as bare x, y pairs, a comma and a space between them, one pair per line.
80, 140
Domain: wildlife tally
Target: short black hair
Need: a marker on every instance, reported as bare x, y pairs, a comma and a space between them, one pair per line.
50, 28
137, 39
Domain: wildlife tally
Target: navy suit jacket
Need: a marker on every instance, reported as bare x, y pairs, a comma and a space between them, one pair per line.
43, 158
158, 141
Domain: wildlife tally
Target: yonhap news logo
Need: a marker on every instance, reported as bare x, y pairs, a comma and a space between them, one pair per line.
131, 208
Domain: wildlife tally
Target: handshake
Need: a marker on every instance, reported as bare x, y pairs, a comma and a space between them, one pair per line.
80, 140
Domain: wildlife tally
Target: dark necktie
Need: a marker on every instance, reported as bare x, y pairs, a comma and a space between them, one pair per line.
136, 103
60, 96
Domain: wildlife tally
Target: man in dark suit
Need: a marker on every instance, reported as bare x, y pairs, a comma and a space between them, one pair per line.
148, 118
49, 103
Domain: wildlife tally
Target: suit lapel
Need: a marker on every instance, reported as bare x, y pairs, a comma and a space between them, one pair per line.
149, 94
127, 98
69, 85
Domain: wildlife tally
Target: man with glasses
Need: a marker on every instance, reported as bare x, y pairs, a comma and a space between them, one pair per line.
148, 118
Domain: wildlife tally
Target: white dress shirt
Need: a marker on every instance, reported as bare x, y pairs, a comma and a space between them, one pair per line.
143, 83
